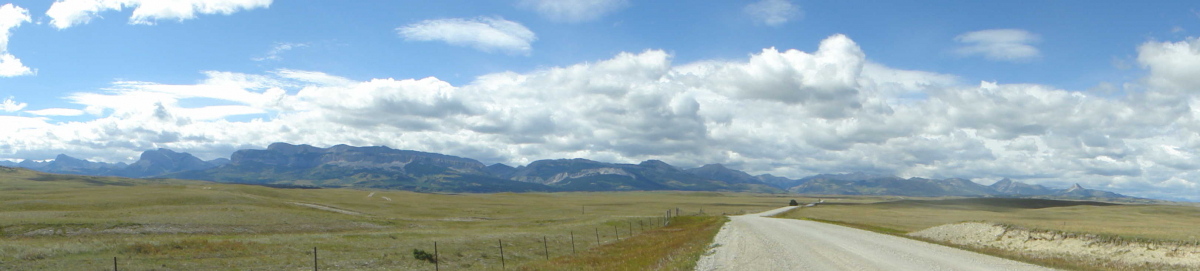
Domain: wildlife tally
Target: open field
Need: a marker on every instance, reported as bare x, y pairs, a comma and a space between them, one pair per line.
1154, 222
1164, 226
63, 222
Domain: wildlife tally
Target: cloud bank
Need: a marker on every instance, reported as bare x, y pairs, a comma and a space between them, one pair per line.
66, 13
785, 112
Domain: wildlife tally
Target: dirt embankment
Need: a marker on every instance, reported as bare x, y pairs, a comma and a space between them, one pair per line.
1066, 245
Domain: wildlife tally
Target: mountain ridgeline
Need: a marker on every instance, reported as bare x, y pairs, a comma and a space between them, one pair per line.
282, 164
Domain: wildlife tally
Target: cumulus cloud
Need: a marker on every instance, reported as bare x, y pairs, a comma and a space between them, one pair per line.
773, 12
67, 13
784, 112
1172, 65
573, 11
56, 112
486, 34
12, 106
11, 16
1012, 45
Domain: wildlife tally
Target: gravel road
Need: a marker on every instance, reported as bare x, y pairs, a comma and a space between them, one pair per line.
757, 242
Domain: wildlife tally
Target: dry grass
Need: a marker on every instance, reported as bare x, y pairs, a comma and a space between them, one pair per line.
62, 222
676, 247
1113, 223
1130, 222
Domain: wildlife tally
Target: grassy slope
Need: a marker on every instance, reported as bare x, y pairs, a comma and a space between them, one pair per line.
1155, 222
51, 222
1119, 222
676, 247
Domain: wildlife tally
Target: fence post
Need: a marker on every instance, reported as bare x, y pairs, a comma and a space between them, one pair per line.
573, 243
597, 236
630, 228
583, 210
641, 226
314, 258
115, 264
616, 234
501, 241
435, 258
546, 247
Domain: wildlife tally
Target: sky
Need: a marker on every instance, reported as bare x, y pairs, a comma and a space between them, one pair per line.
1100, 93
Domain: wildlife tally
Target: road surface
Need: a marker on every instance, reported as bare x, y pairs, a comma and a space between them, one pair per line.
757, 242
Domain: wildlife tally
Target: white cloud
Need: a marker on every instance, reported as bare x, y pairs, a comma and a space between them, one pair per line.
56, 112
11, 17
573, 11
773, 12
12, 106
1172, 65
279, 48
67, 13
1013, 45
486, 34
785, 112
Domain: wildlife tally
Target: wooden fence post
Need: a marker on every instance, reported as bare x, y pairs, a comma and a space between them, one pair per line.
597, 236
546, 246
573, 243
501, 241
314, 258
436, 266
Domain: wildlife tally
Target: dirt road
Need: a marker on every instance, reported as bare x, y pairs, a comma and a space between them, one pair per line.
757, 242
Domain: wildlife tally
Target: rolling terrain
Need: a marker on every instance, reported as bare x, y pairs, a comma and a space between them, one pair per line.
380, 167
1053, 223
74, 222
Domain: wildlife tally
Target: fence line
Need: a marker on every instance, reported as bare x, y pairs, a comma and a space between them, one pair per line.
316, 263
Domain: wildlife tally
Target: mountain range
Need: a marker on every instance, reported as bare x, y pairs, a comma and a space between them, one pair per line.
380, 167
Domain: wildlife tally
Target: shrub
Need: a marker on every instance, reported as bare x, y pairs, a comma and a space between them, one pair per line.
421, 255
793, 203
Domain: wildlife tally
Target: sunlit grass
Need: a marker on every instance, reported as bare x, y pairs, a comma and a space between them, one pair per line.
64, 222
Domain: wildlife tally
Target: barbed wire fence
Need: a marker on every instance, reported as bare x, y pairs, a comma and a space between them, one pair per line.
318, 258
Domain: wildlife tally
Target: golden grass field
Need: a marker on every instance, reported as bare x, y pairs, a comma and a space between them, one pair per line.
64, 222
1119, 223
1133, 221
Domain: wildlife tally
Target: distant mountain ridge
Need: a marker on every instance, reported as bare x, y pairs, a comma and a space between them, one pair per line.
866, 184
385, 168
151, 163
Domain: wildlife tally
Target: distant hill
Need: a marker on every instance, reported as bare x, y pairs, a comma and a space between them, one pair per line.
588, 175
1010, 187
877, 185
163, 161
386, 168
867, 184
380, 167
152, 163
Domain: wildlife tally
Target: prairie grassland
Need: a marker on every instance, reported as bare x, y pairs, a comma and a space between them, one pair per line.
1169, 223
676, 247
64, 222
1153, 226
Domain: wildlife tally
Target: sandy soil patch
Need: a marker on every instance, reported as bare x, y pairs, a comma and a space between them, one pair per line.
1064, 245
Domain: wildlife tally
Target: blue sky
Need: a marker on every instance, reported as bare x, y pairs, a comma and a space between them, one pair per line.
514, 81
